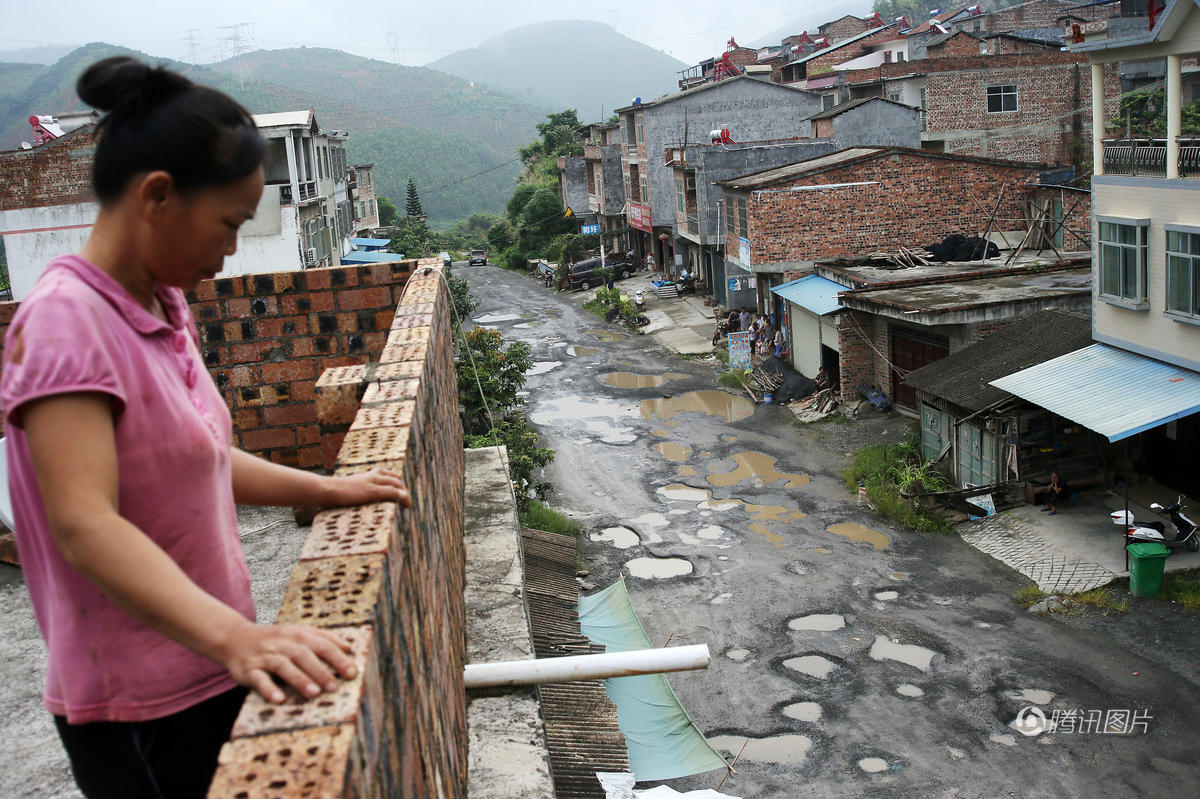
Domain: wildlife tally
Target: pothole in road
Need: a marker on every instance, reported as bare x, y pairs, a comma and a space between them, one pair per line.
728, 439
710, 532
712, 402
588, 414
756, 466
661, 433
606, 335
821, 622
812, 665
633, 380
788, 749
909, 690
1034, 696
886, 596
579, 352
491, 319
918, 657
527, 325
766, 532
738, 655
860, 532
619, 537
687, 471
803, 711
873, 765
541, 367
659, 568
673, 451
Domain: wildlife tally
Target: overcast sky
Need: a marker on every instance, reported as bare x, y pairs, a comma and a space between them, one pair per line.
414, 33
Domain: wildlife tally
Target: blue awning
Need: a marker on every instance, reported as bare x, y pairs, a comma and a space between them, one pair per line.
813, 293
361, 257
370, 244
1109, 390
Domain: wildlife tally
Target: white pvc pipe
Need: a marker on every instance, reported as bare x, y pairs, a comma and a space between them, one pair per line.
587, 667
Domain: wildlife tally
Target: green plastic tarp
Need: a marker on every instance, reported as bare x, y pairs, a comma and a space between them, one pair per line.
663, 741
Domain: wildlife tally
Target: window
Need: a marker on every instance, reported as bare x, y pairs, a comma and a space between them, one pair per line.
743, 229
828, 101
1123, 260
887, 56
630, 130
680, 201
1002, 99
645, 191
641, 128
1183, 272
894, 96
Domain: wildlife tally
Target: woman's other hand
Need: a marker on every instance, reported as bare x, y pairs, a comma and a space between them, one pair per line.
307, 659
377, 485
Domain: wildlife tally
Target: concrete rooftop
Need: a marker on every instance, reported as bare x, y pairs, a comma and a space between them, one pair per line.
944, 297
867, 275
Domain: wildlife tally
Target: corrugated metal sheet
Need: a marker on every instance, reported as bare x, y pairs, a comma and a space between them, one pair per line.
582, 734
812, 293
369, 242
364, 257
1109, 390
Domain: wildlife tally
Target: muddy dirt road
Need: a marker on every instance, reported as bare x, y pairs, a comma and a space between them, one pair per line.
857, 659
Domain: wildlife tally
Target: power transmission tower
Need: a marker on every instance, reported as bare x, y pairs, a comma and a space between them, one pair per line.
193, 46
393, 43
240, 42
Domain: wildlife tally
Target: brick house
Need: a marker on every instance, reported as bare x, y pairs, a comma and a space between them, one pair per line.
605, 187
751, 109
361, 182
843, 28
780, 223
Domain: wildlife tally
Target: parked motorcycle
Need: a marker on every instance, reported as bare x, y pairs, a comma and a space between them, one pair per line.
1186, 533
723, 330
686, 285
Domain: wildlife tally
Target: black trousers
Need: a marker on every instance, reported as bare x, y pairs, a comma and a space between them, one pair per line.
173, 757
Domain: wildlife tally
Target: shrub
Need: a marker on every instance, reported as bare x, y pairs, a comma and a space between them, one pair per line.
887, 470
540, 517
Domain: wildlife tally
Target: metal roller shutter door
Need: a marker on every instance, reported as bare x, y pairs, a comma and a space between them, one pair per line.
806, 343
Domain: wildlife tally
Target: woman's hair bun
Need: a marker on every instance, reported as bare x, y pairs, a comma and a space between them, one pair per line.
123, 80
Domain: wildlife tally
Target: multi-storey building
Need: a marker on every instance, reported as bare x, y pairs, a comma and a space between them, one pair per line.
361, 184
1142, 376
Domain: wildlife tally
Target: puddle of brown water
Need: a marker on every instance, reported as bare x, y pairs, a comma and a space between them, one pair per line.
787, 749
765, 532
729, 439
822, 550
658, 431
758, 513
580, 351
714, 403
606, 335
756, 464
634, 380
860, 532
687, 471
673, 451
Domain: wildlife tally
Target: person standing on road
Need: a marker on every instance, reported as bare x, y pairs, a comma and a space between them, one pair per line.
779, 343
650, 262
122, 474
744, 320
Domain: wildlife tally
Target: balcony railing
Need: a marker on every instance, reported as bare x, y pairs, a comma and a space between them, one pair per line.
693, 224
1148, 157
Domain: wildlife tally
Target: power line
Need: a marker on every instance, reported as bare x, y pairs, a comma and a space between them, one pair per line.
470, 177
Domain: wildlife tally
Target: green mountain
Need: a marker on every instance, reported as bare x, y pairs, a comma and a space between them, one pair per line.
576, 64
410, 122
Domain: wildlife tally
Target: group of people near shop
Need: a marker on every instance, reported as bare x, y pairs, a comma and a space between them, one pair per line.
767, 339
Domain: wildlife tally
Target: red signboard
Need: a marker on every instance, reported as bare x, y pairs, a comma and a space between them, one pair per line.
639, 216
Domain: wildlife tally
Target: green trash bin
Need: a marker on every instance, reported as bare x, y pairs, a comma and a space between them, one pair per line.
1146, 562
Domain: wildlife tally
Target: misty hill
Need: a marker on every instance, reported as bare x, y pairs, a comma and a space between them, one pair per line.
409, 121
576, 64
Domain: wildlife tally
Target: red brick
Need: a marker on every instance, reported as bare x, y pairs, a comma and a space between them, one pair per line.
290, 415
313, 301
279, 326
307, 434
287, 371
238, 307
303, 391
247, 418
310, 457
357, 300
254, 440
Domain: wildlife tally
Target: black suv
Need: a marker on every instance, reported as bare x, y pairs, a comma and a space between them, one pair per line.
477, 257
586, 273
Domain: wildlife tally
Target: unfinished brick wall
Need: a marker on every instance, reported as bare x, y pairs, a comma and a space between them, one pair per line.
267, 338
960, 44
57, 173
843, 28
905, 197
388, 580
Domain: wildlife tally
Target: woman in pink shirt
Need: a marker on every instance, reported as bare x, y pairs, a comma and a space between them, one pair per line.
123, 476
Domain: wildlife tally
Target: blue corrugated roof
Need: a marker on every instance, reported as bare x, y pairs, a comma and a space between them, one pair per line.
1112, 391
361, 257
813, 293
370, 242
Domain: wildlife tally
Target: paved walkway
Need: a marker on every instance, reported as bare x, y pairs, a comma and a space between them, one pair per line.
1022, 547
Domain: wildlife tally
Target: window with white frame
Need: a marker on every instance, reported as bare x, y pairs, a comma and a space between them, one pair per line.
680, 197
1183, 272
1123, 260
1002, 98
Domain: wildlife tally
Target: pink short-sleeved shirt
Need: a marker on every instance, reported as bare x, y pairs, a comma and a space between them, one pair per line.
80, 331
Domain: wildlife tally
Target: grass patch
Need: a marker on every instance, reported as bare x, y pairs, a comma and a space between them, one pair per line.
1183, 589
731, 379
540, 517
1029, 595
1103, 599
722, 354
597, 307
889, 469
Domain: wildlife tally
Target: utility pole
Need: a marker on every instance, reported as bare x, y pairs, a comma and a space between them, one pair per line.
193, 46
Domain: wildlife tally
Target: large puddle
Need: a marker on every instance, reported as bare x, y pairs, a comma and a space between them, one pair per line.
873, 765
673, 451
759, 513
633, 380
860, 532
812, 665
1036, 696
803, 711
606, 335
658, 568
822, 622
909, 690
598, 417
714, 403
619, 537
688, 471
582, 351
758, 528
756, 465
788, 749
496, 317
918, 657
541, 367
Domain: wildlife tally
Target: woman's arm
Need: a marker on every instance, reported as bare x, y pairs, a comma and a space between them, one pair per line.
259, 482
73, 449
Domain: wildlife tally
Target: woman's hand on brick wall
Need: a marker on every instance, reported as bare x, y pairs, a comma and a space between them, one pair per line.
377, 485
307, 659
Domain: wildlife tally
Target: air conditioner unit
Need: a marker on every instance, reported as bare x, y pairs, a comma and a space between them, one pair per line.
310, 256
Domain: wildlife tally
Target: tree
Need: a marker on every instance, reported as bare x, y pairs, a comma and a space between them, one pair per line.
1145, 115
516, 203
412, 202
501, 235
411, 237
387, 212
541, 220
